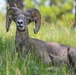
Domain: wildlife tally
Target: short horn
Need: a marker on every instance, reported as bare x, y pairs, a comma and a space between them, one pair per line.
36, 17
9, 14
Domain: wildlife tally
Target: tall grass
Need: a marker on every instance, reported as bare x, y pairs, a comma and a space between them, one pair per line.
11, 64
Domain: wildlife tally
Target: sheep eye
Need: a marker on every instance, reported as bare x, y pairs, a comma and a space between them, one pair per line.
26, 19
15, 17
29, 19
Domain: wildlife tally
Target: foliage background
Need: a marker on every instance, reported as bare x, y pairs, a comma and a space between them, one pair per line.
57, 20
53, 10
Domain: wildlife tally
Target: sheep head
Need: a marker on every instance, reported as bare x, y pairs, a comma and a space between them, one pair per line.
23, 18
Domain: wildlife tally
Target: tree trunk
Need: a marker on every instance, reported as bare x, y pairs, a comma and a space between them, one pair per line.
74, 25
19, 3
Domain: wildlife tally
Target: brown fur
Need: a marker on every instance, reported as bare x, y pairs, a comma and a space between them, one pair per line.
72, 57
43, 49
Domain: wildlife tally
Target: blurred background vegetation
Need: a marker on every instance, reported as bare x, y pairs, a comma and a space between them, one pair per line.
53, 10
57, 11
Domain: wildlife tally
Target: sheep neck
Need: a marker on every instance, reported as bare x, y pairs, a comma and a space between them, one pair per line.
22, 36
22, 42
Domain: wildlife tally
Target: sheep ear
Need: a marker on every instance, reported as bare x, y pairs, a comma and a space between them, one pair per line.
8, 6
10, 12
15, 4
8, 18
35, 17
8, 22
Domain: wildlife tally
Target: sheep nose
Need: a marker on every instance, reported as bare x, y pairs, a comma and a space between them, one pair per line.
20, 22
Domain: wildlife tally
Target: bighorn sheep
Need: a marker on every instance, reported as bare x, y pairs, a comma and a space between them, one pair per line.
50, 52
72, 57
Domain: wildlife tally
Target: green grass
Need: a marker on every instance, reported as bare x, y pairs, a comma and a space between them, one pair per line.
10, 64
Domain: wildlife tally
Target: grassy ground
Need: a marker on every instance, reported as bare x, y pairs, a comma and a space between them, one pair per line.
10, 64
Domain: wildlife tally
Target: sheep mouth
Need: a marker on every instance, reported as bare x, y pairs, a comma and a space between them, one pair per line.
20, 28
